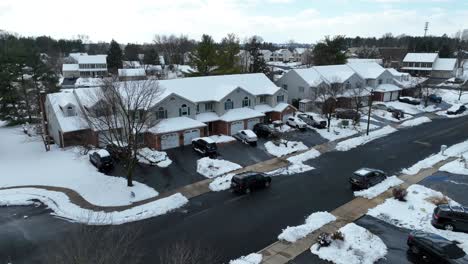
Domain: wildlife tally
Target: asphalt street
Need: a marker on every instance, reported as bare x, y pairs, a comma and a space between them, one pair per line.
233, 225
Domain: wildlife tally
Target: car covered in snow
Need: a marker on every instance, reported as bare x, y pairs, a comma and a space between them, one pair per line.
101, 159
366, 177
409, 100
433, 248
452, 218
205, 146
263, 130
309, 120
249, 181
456, 109
246, 136
296, 122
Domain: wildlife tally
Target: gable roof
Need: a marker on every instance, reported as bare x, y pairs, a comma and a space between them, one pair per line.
444, 65
397, 73
132, 72
420, 57
310, 75
59, 101
91, 59
335, 73
70, 67
367, 70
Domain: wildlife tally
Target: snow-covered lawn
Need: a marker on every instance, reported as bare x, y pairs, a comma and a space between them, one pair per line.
388, 115
361, 140
416, 122
24, 161
284, 147
253, 258
416, 213
453, 151
62, 207
378, 189
211, 168
359, 247
412, 109
451, 96
154, 157
297, 163
222, 139
221, 183
455, 167
312, 223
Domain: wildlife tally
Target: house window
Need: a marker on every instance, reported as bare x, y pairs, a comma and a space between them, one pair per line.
209, 107
70, 111
358, 85
380, 81
348, 85
246, 102
184, 110
228, 104
280, 98
285, 86
161, 113
301, 89
262, 99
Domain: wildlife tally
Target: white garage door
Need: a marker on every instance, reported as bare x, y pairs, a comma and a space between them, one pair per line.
236, 126
285, 117
386, 97
169, 141
394, 95
251, 123
191, 134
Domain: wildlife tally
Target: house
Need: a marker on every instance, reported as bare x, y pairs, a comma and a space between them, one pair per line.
302, 55
419, 64
266, 54
187, 108
444, 68
392, 56
85, 66
131, 64
283, 55
132, 74
357, 60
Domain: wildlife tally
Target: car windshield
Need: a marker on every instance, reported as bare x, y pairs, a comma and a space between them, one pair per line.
211, 146
106, 159
453, 251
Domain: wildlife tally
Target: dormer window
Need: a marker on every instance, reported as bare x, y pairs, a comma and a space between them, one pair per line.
70, 110
246, 102
161, 113
348, 85
184, 110
228, 104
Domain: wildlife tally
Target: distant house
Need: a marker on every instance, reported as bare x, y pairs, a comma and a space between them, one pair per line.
70, 71
302, 55
429, 65
444, 68
131, 64
132, 74
356, 60
392, 57
283, 55
266, 54
86, 65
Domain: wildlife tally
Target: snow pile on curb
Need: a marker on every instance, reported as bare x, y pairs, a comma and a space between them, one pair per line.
416, 121
361, 140
359, 247
211, 168
378, 189
389, 116
222, 139
455, 167
62, 206
284, 147
416, 213
253, 258
154, 157
221, 183
312, 223
297, 163
453, 151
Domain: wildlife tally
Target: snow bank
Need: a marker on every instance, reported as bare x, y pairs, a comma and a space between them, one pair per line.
221, 183
416, 122
359, 247
25, 162
253, 258
376, 190
312, 223
297, 163
455, 167
62, 206
416, 213
284, 148
211, 168
222, 138
361, 140
154, 157
388, 116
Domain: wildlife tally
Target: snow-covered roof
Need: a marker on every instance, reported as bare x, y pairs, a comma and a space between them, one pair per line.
239, 114
132, 72
87, 96
215, 88
264, 108
92, 59
207, 117
357, 60
88, 82
335, 73
367, 70
76, 55
420, 57
305, 101
249, 133
131, 64
299, 50
59, 102
70, 67
310, 75
175, 124
396, 73
387, 87
356, 92
444, 65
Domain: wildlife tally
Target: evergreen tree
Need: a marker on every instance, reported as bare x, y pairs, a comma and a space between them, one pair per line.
227, 55
114, 57
330, 51
203, 59
131, 52
258, 64
151, 56
445, 52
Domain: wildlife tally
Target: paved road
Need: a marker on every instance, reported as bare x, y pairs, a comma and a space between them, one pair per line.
237, 225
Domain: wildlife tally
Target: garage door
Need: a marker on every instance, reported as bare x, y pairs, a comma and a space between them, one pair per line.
169, 141
191, 134
285, 117
394, 95
236, 126
387, 97
251, 123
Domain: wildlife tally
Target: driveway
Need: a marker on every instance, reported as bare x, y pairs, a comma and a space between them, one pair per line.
309, 137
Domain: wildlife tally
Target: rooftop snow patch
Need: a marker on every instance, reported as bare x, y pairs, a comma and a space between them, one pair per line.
132, 72
444, 64
353, 60
92, 59
264, 108
387, 87
335, 73
60, 103
367, 70
310, 75
421, 57
240, 114
207, 117
175, 124
397, 73
70, 67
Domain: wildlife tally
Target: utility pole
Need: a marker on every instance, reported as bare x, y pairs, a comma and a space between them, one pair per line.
369, 113
426, 26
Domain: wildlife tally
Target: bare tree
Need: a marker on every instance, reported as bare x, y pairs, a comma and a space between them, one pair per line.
188, 252
358, 95
426, 91
328, 94
122, 114
173, 47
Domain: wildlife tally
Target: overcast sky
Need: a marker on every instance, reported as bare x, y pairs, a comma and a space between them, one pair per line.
305, 21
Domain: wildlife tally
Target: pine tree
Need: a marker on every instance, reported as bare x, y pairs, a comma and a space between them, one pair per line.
114, 57
203, 59
227, 55
258, 64
330, 51
151, 56
131, 52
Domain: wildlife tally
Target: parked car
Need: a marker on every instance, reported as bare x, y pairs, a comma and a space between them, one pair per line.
101, 159
409, 100
205, 146
309, 120
118, 151
247, 136
456, 109
263, 130
294, 121
347, 114
365, 178
453, 218
399, 112
435, 249
435, 98
249, 181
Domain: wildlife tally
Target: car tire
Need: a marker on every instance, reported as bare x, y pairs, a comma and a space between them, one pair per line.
449, 227
415, 250
248, 191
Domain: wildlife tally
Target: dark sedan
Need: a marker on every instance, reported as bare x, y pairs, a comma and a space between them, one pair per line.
433, 248
365, 178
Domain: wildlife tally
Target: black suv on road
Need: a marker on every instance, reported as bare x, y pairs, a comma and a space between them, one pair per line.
435, 249
101, 159
365, 178
248, 181
453, 218
205, 146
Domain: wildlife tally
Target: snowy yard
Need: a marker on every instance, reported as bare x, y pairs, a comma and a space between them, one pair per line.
411, 109
284, 147
211, 168
416, 122
388, 115
416, 213
312, 223
456, 167
451, 96
359, 247
297, 163
221, 183
361, 140
380, 188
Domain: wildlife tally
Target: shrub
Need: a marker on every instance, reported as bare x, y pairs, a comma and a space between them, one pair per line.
438, 200
399, 194
337, 236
